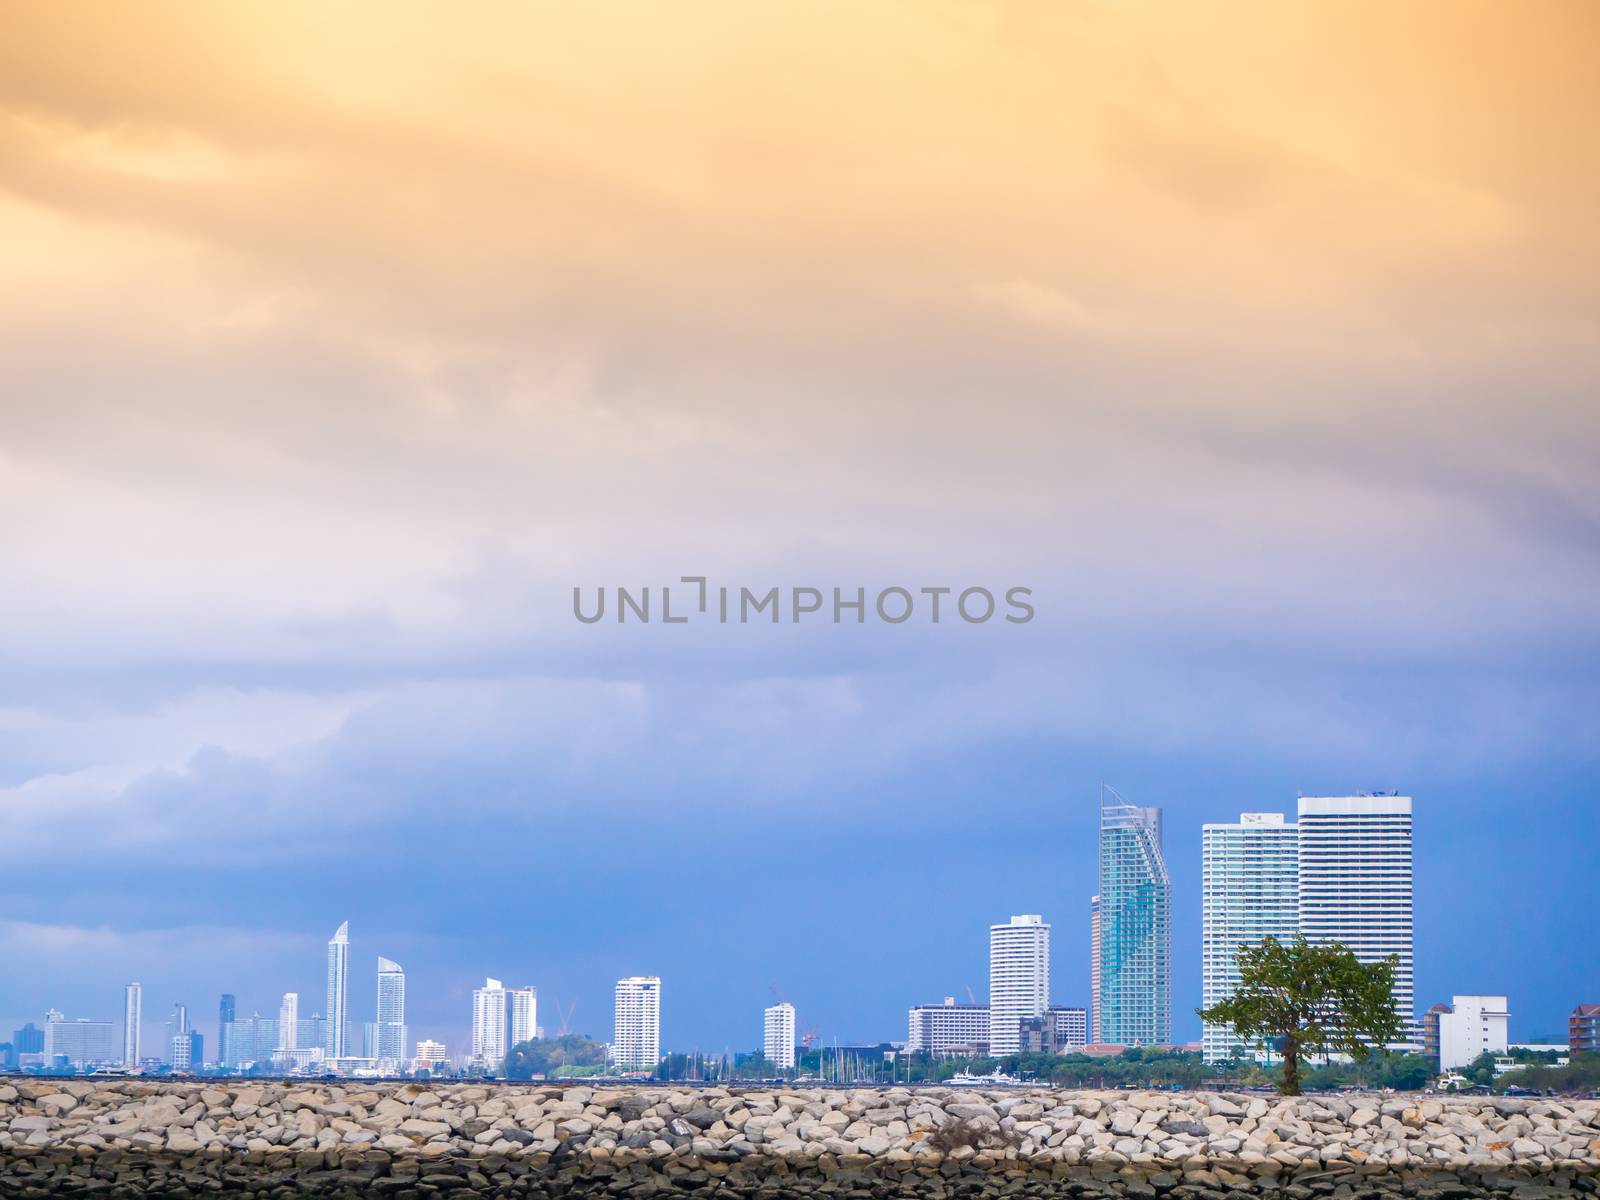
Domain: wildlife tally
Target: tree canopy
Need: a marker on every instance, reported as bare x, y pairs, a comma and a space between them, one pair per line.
1309, 1000
553, 1056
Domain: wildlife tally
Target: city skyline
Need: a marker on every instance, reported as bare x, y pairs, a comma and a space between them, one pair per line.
1350, 878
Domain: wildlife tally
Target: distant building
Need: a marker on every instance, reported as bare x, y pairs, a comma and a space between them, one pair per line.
132, 1019
777, 1028
29, 1039
1356, 880
1470, 1026
1134, 995
390, 1040
1583, 1029
225, 1016
336, 1041
1094, 969
289, 1023
1019, 978
80, 1042
1250, 889
430, 1055
636, 1041
1071, 1028
187, 1050
1428, 1032
522, 1018
489, 1024
948, 1028
252, 1039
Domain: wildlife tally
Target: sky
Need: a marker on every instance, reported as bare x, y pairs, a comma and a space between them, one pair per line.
339, 344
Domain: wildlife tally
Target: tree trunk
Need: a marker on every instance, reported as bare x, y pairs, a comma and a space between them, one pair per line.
1291, 1068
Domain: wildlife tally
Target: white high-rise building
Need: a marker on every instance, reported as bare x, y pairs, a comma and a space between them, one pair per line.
1094, 969
524, 1015
1355, 881
948, 1028
1471, 1026
489, 1023
636, 1041
778, 1034
132, 1018
389, 1040
289, 1021
1019, 978
81, 1042
337, 1044
1250, 889
430, 1054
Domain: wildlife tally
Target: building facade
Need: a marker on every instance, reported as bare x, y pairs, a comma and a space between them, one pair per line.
1583, 1029
289, 1022
1470, 1026
132, 1020
523, 1018
430, 1055
1356, 881
1134, 993
389, 1038
636, 1041
489, 1023
226, 1013
1250, 889
1019, 978
777, 1035
1094, 968
948, 1028
80, 1042
337, 1042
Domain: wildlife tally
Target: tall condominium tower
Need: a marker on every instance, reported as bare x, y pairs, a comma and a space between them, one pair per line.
1355, 880
390, 1043
777, 1034
1250, 888
337, 1044
1094, 969
1135, 992
489, 1023
132, 1017
636, 1039
523, 1016
289, 1022
1019, 979
226, 1014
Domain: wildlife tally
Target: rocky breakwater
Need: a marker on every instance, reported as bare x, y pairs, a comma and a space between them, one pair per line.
136, 1138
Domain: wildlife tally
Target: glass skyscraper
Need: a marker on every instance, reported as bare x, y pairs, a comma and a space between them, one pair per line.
337, 1043
390, 1042
1134, 995
1250, 889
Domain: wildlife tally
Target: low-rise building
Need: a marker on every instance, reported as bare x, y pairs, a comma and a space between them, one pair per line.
1583, 1030
947, 1028
1472, 1025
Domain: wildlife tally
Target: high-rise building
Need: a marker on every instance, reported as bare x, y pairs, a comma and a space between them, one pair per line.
489, 1023
80, 1042
337, 1044
225, 1017
178, 1047
948, 1028
1094, 968
1250, 889
777, 1026
29, 1039
1355, 880
389, 1044
1583, 1029
523, 1019
1135, 990
636, 1040
132, 1019
1019, 978
1470, 1026
289, 1022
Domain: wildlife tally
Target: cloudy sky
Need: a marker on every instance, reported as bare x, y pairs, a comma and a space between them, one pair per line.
337, 345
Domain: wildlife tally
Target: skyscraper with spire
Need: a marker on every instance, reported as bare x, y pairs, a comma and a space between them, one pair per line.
337, 1044
390, 1043
1134, 993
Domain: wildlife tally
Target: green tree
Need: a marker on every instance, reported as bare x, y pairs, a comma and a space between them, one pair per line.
553, 1056
1311, 1000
